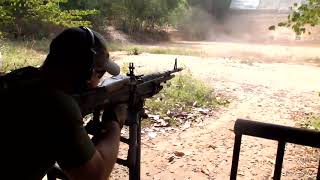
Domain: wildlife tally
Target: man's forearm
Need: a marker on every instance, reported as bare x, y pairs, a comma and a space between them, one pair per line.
108, 144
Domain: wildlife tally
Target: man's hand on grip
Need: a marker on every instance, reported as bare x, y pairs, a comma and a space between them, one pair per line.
118, 113
121, 111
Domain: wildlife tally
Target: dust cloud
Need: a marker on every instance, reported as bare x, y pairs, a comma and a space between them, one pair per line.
250, 26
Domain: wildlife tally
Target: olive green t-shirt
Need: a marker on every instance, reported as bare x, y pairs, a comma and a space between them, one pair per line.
40, 127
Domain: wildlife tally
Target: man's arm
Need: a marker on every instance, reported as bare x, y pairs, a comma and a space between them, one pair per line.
76, 153
101, 164
110, 153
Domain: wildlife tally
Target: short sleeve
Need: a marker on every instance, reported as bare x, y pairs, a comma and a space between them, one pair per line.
72, 143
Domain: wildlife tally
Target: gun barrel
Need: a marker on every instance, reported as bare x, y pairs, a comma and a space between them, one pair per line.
116, 90
160, 75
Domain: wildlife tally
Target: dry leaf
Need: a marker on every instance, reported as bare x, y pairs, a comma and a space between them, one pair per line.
171, 158
178, 153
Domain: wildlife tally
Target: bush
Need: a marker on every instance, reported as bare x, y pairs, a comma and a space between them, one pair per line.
316, 123
311, 121
136, 16
183, 93
134, 51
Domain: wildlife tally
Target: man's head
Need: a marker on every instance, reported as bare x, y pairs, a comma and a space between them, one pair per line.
79, 56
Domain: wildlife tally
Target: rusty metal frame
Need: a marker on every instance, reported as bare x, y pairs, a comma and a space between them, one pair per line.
280, 133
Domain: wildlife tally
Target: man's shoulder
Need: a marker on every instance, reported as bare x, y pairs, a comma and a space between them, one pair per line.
19, 78
62, 97
65, 106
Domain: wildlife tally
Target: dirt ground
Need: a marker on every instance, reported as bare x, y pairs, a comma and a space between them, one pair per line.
273, 84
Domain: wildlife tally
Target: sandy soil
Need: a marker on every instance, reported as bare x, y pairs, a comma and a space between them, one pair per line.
264, 90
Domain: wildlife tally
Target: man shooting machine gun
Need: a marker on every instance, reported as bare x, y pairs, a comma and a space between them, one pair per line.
44, 108
132, 90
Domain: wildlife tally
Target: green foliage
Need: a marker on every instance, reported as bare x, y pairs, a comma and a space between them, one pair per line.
41, 18
101, 6
22, 16
307, 14
177, 16
310, 122
184, 92
134, 51
140, 15
82, 4
316, 123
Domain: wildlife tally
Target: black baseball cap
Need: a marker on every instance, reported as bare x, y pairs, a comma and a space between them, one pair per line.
74, 44
110, 66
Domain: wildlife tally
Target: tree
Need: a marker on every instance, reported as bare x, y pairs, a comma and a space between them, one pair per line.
33, 17
16, 16
301, 16
139, 15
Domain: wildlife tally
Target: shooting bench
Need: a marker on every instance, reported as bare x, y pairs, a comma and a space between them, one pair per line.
280, 133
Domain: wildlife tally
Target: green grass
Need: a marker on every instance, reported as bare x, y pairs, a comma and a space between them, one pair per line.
181, 94
315, 123
115, 46
138, 49
173, 51
17, 54
166, 50
311, 122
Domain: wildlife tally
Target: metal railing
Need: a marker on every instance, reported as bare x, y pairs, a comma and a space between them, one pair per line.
282, 134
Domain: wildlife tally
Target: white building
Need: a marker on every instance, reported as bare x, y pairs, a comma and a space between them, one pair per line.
276, 5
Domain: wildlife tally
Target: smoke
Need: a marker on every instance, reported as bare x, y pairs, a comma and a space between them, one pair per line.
235, 26
253, 26
198, 24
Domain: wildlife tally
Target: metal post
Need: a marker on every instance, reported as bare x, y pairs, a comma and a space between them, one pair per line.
279, 160
134, 148
235, 158
138, 160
